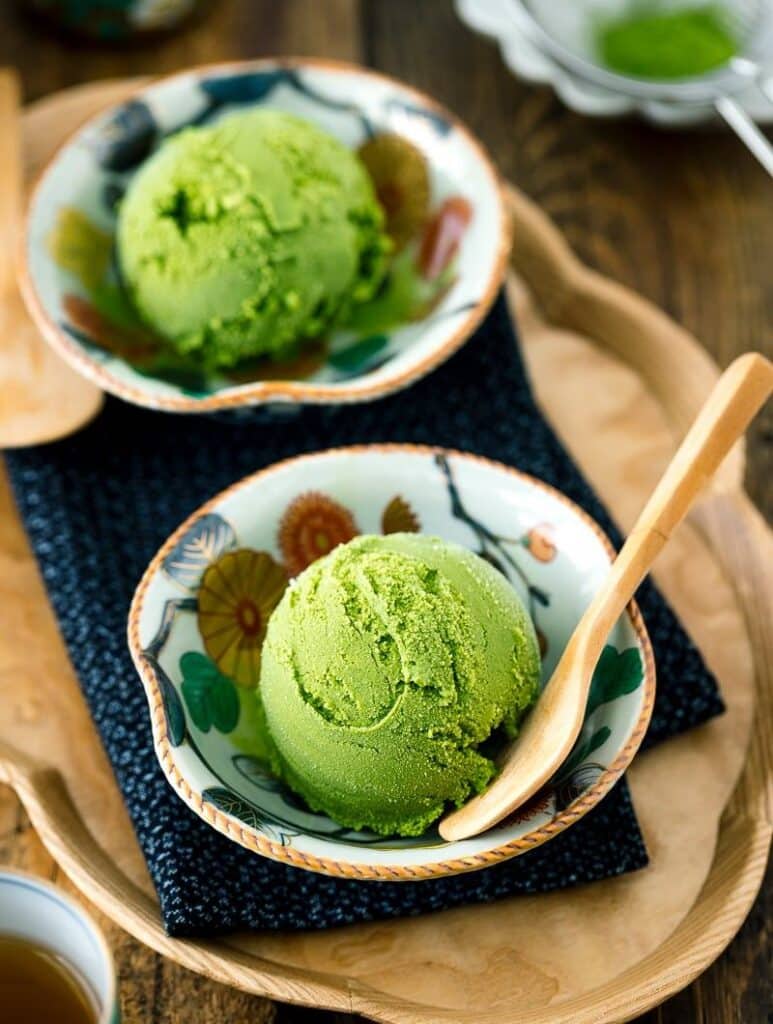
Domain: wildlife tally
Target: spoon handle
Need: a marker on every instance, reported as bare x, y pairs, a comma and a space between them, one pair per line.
10, 178
738, 395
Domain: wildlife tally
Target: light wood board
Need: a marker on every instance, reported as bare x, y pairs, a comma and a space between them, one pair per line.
620, 382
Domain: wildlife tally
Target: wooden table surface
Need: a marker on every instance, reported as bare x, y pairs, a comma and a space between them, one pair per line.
684, 219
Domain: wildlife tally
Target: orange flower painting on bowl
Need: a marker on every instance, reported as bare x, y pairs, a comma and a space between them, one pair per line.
539, 542
237, 594
311, 527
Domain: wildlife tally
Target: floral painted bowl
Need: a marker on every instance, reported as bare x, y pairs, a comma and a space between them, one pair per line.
444, 207
234, 556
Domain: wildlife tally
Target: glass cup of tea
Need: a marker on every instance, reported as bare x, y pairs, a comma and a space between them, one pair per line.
52, 955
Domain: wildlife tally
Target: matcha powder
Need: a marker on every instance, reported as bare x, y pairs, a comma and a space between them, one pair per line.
666, 44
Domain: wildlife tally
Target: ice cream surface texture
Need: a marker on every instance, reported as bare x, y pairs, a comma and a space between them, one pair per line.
244, 238
386, 665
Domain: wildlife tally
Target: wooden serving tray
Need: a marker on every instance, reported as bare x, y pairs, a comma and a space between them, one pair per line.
621, 382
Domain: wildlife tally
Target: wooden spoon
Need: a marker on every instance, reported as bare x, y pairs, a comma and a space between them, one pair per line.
41, 398
553, 726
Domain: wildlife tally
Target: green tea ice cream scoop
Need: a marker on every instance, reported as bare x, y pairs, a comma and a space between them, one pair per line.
248, 237
386, 665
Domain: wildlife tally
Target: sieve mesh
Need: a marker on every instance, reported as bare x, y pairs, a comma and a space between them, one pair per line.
566, 29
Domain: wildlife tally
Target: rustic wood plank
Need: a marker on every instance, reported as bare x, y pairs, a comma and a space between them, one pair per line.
683, 218
233, 29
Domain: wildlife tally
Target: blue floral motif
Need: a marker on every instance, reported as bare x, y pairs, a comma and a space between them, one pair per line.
226, 800
189, 380
573, 785
356, 357
173, 709
112, 194
125, 139
255, 86
208, 538
439, 122
493, 548
96, 352
242, 88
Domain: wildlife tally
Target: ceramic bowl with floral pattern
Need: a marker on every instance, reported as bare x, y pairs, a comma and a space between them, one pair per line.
444, 211
230, 562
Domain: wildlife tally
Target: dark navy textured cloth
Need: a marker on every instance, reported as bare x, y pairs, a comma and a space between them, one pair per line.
99, 504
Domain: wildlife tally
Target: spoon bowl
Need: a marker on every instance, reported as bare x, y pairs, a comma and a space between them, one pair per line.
41, 398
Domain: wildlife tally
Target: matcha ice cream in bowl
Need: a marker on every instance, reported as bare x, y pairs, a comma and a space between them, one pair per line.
266, 233
335, 649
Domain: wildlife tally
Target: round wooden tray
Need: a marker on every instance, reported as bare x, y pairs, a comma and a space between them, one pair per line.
620, 382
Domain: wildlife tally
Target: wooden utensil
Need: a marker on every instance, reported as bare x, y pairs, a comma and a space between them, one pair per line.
41, 398
553, 726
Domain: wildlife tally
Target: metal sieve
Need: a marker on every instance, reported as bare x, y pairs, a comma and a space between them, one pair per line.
565, 30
